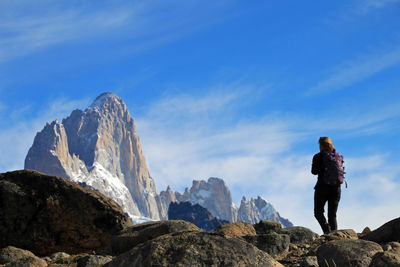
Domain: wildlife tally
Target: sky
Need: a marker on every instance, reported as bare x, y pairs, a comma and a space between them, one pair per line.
240, 90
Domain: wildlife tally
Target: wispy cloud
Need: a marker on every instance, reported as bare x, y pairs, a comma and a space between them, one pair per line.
371, 196
357, 121
27, 33
357, 70
190, 140
31, 28
366, 6
201, 129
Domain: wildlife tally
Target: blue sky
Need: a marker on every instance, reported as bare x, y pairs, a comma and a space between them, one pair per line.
235, 89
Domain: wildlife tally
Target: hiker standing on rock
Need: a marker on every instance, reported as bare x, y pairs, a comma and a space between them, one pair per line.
328, 165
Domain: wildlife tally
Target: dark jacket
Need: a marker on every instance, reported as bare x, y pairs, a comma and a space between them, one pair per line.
317, 168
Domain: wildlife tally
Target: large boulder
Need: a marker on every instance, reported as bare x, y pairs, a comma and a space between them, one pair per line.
385, 259
194, 249
236, 229
390, 231
347, 253
47, 214
12, 256
276, 245
299, 234
267, 226
140, 233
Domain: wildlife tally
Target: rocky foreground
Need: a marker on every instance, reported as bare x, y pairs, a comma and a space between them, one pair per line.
48, 221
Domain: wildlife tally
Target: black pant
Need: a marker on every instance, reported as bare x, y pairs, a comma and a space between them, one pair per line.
324, 193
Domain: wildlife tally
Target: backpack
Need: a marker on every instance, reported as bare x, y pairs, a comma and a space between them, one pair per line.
333, 168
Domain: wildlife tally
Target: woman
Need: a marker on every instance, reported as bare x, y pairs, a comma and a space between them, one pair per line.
328, 165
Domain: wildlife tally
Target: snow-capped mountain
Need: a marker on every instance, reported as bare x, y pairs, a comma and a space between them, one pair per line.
99, 147
215, 196
254, 210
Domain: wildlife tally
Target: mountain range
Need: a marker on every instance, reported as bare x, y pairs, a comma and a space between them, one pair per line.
100, 147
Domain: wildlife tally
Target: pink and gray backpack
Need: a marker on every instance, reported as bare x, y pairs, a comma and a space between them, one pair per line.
333, 168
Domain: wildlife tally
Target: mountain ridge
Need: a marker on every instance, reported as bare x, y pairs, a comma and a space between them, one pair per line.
100, 147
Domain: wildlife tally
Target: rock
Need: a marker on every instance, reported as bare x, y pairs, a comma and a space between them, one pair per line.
195, 214
298, 252
395, 246
299, 234
47, 259
12, 256
347, 253
386, 247
194, 249
163, 201
390, 231
81, 260
46, 214
72, 260
293, 247
93, 261
267, 226
392, 246
11, 253
59, 255
347, 234
309, 261
134, 235
237, 229
276, 245
301, 249
385, 259
366, 230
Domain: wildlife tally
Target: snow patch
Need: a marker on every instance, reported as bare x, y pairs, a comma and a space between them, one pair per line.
214, 180
108, 184
53, 152
203, 194
99, 101
139, 219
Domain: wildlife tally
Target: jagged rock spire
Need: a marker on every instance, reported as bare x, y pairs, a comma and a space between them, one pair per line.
99, 146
